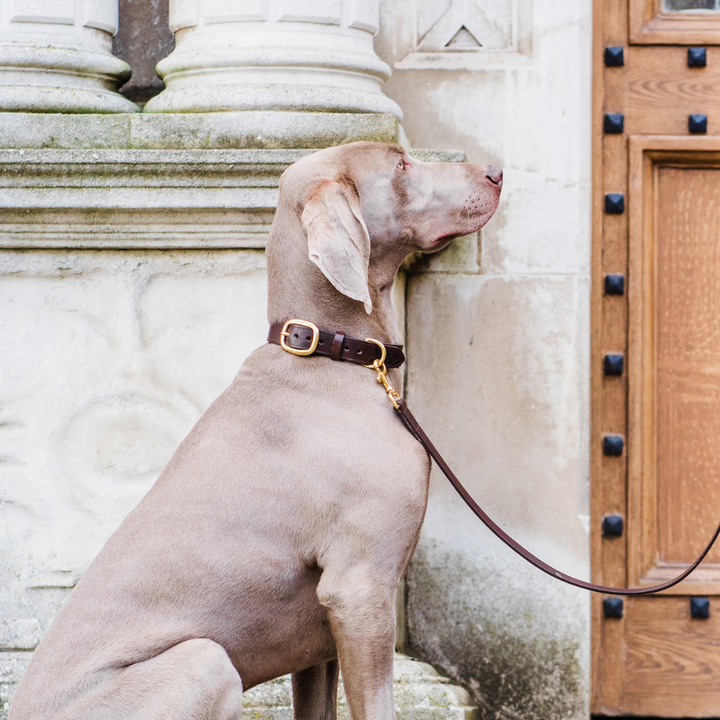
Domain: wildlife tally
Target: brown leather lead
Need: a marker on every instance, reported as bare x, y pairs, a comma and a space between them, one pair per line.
414, 427
302, 337
349, 350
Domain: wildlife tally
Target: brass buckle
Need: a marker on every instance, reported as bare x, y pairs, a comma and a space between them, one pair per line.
383, 354
302, 323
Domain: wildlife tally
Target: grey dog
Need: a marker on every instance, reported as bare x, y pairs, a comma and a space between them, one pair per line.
275, 539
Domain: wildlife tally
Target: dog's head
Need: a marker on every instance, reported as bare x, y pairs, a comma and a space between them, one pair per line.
366, 206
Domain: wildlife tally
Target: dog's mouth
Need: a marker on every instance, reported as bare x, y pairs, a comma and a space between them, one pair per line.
441, 242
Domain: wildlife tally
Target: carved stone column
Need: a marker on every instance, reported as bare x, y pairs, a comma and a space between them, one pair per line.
55, 56
274, 55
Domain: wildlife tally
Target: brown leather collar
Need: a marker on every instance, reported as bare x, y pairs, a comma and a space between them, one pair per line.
334, 345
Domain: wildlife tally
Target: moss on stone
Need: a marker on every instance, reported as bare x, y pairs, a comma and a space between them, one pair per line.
515, 664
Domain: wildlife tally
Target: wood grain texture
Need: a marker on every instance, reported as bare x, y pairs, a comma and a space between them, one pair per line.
670, 656
609, 332
687, 372
665, 173
661, 91
641, 436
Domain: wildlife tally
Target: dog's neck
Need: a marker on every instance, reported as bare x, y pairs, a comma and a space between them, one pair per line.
298, 289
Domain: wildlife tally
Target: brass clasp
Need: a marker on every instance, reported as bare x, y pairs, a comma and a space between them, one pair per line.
379, 367
302, 323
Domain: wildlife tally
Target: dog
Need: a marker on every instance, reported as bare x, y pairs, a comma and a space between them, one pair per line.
275, 539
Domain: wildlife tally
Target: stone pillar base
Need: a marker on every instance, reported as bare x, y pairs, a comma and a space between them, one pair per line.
314, 55
56, 57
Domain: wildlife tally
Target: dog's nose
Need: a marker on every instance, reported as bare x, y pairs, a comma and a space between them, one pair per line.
494, 174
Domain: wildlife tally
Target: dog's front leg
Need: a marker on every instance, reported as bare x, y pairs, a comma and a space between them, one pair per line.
361, 610
315, 692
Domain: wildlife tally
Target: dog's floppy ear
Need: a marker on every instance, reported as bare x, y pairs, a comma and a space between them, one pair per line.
338, 240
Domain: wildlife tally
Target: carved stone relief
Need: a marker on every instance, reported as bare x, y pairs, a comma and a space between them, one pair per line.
109, 357
464, 34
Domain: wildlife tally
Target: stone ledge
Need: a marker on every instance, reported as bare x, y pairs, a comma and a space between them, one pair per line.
220, 130
128, 198
158, 199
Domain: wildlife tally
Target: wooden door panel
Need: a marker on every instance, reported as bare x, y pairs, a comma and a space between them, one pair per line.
660, 662
651, 24
659, 103
688, 495
687, 390
668, 651
674, 359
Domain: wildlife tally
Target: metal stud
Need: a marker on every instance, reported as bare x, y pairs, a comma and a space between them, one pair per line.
697, 123
613, 607
697, 57
614, 56
700, 608
613, 364
612, 526
613, 445
615, 203
614, 284
614, 123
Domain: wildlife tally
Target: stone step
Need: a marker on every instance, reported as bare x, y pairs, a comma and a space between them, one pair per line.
421, 693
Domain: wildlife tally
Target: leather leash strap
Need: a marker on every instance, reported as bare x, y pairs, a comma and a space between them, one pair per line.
301, 335
414, 427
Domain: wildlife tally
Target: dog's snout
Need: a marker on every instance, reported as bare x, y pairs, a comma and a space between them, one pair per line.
494, 174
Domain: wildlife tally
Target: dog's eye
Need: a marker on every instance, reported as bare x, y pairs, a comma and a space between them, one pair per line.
401, 164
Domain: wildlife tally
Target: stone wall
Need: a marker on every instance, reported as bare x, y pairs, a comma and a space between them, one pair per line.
499, 352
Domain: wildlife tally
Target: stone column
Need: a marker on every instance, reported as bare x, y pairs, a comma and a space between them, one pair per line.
274, 55
55, 56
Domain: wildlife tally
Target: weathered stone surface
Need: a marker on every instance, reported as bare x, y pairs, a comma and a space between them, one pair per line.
134, 199
217, 131
506, 399
421, 693
12, 666
109, 358
510, 408
19, 634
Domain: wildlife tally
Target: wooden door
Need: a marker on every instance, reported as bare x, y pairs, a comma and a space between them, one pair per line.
656, 354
